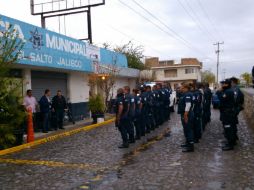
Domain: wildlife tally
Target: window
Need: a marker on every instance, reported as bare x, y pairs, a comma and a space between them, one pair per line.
170, 73
189, 70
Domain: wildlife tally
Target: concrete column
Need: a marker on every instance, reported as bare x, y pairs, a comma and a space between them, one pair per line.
27, 81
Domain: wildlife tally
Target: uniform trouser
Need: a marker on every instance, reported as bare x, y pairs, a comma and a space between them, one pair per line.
137, 123
166, 112
143, 123
156, 115
229, 131
207, 115
59, 119
150, 121
45, 117
197, 128
161, 114
123, 128
188, 129
130, 128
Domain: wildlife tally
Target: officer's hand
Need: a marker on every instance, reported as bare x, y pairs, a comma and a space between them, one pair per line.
185, 116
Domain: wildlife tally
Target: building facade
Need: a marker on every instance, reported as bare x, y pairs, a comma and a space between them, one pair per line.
189, 70
53, 61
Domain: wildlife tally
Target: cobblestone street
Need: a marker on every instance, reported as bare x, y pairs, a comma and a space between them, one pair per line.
91, 160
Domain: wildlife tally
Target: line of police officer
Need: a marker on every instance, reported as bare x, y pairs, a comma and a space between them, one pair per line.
231, 103
194, 107
142, 111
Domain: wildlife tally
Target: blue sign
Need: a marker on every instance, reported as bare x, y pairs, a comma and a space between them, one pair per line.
49, 49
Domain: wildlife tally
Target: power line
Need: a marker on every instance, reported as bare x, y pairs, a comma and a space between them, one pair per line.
208, 18
124, 34
160, 28
170, 29
199, 24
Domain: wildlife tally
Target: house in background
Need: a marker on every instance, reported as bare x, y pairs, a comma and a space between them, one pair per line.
188, 70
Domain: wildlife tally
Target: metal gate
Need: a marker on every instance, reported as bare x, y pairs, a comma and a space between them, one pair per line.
53, 81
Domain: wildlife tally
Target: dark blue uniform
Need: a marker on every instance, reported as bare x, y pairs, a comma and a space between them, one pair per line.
156, 108
167, 103
144, 113
131, 115
228, 117
187, 127
137, 118
197, 111
123, 123
160, 107
207, 107
150, 115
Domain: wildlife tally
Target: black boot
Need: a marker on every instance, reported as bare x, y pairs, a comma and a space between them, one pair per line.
227, 147
124, 145
188, 148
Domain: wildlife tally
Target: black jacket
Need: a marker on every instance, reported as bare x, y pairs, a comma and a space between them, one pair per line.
59, 103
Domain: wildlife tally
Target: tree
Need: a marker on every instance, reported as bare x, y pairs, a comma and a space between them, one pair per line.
11, 111
147, 76
104, 79
247, 78
133, 53
207, 76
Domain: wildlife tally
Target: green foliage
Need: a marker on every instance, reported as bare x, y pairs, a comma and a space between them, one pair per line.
133, 53
96, 104
11, 111
247, 78
207, 76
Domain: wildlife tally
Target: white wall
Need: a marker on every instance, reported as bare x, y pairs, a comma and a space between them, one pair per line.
121, 82
181, 75
78, 88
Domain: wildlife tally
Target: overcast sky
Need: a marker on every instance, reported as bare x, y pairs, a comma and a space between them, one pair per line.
171, 29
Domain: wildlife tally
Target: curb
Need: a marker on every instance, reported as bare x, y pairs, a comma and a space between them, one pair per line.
54, 137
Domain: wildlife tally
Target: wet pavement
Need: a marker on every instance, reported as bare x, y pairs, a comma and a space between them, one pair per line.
91, 160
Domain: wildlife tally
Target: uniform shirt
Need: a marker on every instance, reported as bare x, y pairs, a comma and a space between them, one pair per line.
131, 100
185, 99
137, 105
122, 101
227, 99
227, 107
207, 98
238, 96
197, 102
144, 100
30, 102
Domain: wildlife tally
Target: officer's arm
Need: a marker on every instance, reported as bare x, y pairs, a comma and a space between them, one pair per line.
187, 108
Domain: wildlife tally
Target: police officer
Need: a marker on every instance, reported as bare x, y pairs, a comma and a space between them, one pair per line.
228, 117
150, 105
156, 107
185, 110
143, 110
239, 101
207, 105
160, 106
122, 108
166, 101
131, 113
137, 117
197, 111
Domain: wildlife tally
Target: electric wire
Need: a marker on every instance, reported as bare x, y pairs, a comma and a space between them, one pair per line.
160, 28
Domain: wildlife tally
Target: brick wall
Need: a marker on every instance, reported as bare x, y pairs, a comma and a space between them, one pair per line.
249, 106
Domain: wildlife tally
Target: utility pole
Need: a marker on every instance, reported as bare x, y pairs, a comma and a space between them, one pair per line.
224, 73
218, 59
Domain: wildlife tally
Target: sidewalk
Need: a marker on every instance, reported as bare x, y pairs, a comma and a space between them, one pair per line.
68, 127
